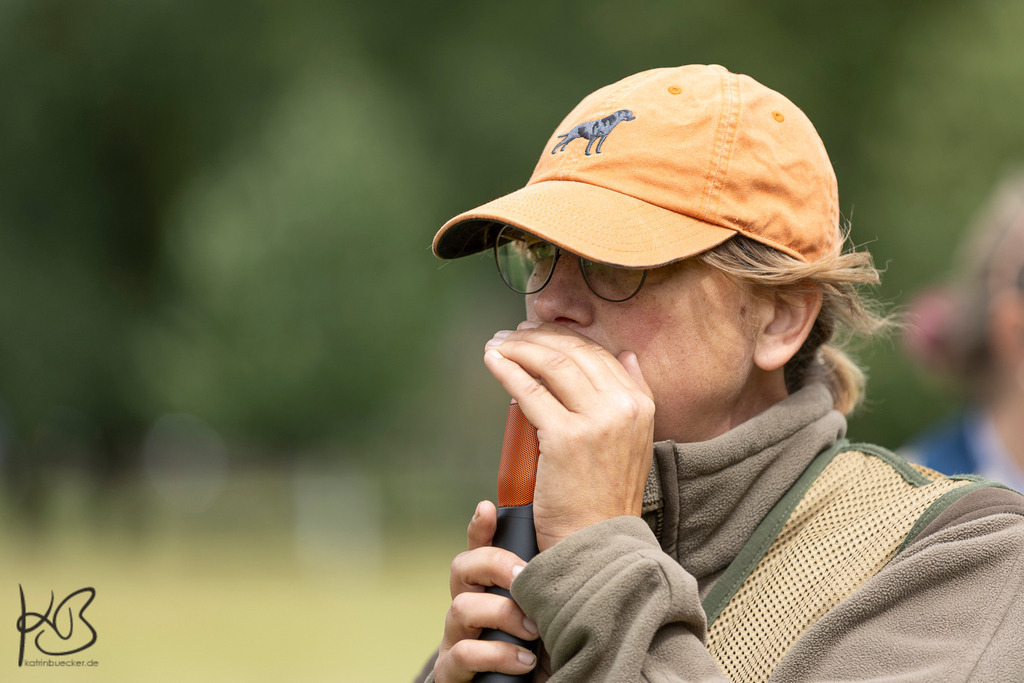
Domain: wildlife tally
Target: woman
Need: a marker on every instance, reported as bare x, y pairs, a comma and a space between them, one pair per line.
698, 512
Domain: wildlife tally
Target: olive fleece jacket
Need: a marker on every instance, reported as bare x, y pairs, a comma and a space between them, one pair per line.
621, 600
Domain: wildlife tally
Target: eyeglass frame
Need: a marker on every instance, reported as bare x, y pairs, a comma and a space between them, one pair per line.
554, 264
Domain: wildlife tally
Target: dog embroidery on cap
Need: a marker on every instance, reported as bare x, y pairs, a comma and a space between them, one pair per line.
594, 130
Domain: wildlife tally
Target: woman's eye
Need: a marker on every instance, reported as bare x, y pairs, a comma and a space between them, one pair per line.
541, 251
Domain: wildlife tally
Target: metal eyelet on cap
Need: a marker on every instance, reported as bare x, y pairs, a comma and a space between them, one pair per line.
777, 115
675, 89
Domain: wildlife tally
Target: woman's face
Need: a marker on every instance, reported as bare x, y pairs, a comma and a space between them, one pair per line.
693, 331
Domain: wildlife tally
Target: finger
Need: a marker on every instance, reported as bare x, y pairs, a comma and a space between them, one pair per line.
555, 335
572, 379
467, 657
545, 380
593, 359
481, 528
562, 357
470, 613
534, 398
475, 570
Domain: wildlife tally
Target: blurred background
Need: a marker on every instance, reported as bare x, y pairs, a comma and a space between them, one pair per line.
240, 398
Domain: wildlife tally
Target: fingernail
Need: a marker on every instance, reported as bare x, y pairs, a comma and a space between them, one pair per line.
501, 335
528, 325
530, 626
476, 513
516, 571
527, 657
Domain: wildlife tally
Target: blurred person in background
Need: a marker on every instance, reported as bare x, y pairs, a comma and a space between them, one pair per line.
699, 512
974, 331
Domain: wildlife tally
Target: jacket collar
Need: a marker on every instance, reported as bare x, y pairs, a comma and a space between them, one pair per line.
703, 500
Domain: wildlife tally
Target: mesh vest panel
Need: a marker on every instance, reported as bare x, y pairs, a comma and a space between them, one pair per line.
824, 544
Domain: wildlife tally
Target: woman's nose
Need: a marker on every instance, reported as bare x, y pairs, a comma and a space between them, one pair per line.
566, 298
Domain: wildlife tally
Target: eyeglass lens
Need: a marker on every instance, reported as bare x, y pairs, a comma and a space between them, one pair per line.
526, 263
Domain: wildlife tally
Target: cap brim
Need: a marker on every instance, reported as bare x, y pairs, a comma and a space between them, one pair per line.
591, 221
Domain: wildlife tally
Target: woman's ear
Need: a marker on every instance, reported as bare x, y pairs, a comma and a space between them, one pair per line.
785, 328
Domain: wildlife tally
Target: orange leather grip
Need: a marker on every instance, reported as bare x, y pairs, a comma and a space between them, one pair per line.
517, 471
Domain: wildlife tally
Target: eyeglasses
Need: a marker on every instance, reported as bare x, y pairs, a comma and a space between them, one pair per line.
527, 263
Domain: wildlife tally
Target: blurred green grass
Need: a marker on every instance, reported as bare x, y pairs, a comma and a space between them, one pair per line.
176, 604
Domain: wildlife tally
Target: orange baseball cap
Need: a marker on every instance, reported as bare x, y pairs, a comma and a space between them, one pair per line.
665, 164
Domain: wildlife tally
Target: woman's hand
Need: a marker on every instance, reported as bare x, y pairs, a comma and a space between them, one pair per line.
594, 415
462, 654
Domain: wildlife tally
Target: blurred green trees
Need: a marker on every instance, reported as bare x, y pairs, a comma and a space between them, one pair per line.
225, 209
109, 109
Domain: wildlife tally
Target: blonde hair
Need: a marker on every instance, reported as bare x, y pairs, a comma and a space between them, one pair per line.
845, 313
